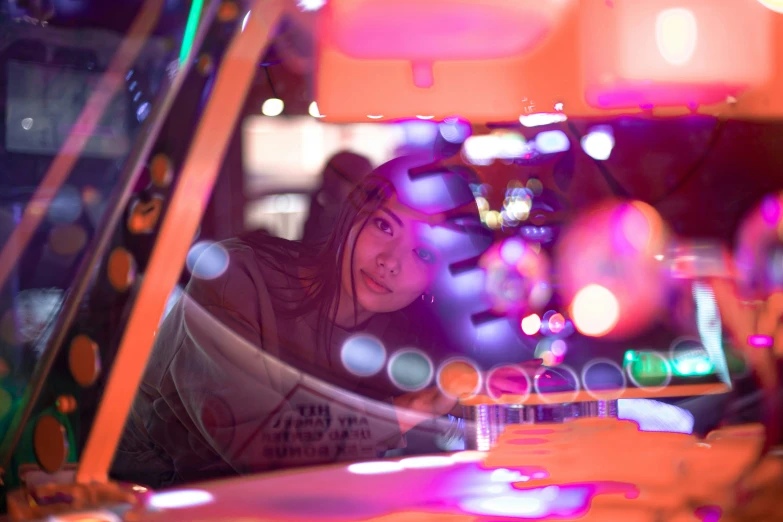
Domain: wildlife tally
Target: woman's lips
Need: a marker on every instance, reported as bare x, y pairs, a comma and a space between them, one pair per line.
374, 285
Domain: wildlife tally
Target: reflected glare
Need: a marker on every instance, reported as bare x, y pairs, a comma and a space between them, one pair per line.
180, 499
375, 468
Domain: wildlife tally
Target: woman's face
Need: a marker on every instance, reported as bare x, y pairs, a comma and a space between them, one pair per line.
392, 262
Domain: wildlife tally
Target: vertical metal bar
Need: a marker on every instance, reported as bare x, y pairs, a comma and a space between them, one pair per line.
186, 208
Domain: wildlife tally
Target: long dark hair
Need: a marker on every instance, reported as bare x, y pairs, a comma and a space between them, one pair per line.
323, 264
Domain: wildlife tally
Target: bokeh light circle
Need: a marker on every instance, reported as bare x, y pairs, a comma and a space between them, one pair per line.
508, 379
459, 378
604, 379
651, 382
548, 381
558, 348
641, 228
595, 310
614, 247
517, 277
207, 260
774, 5
546, 351
363, 355
511, 251
531, 324
688, 356
556, 323
66, 206
410, 370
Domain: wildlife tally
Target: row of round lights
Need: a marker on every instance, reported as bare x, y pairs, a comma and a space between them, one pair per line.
412, 370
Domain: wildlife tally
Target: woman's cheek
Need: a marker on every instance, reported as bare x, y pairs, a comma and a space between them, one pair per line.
422, 280
363, 247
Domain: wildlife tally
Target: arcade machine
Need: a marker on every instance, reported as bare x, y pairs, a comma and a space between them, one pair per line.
543, 444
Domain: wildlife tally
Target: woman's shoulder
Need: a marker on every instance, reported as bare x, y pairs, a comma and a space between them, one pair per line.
264, 249
233, 268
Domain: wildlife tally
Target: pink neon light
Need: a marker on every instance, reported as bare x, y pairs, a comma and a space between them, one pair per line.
760, 341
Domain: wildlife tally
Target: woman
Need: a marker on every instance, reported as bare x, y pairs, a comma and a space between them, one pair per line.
248, 374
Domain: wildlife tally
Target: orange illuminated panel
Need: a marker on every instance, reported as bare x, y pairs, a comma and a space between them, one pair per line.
664, 53
391, 59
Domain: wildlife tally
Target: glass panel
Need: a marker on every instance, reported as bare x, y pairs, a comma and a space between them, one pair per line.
76, 90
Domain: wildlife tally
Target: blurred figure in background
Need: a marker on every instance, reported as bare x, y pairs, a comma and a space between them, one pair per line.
340, 175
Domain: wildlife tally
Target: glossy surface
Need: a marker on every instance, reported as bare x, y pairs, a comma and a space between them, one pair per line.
594, 469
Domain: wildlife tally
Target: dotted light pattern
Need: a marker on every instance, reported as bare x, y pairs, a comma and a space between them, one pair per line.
517, 277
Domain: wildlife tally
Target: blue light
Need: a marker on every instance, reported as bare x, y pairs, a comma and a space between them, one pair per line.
551, 142
363, 355
207, 260
143, 111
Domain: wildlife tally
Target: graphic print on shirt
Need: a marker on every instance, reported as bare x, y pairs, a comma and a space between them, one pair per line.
310, 427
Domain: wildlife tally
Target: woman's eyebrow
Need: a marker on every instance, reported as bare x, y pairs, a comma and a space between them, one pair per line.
393, 216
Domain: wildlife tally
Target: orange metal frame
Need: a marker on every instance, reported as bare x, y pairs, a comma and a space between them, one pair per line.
179, 226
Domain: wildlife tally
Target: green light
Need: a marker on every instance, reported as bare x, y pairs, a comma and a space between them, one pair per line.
648, 369
691, 365
190, 30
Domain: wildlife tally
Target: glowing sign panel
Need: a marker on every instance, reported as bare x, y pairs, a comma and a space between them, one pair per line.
673, 52
440, 58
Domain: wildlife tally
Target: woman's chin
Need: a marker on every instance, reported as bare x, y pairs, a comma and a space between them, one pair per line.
382, 304
373, 305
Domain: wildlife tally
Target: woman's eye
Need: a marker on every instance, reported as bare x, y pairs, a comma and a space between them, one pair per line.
425, 255
383, 225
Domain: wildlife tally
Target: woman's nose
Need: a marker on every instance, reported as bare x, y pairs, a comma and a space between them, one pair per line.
389, 261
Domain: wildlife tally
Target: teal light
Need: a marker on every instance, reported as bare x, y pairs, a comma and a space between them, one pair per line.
190, 30
693, 365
